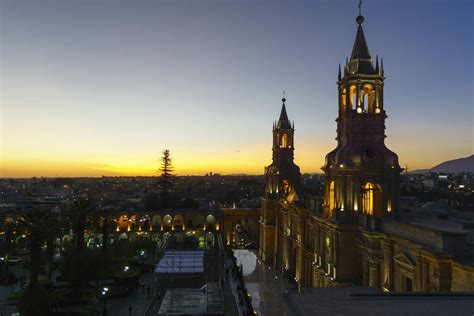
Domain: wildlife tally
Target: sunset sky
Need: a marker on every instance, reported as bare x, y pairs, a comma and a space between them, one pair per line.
91, 88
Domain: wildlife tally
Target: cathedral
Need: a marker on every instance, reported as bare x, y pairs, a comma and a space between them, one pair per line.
357, 235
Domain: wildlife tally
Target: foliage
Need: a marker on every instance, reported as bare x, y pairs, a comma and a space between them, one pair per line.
78, 216
34, 300
7, 277
37, 223
80, 268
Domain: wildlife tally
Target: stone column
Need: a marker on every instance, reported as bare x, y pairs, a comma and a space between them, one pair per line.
374, 268
336, 253
424, 283
419, 274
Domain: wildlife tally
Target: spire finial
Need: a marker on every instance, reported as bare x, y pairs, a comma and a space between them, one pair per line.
284, 99
339, 73
360, 18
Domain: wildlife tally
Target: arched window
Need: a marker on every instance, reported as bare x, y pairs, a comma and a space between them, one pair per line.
371, 199
367, 98
332, 202
344, 99
353, 96
285, 187
284, 141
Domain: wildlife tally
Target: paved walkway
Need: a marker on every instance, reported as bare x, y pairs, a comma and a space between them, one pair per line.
138, 299
268, 289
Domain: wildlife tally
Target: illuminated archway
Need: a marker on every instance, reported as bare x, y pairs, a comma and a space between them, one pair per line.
331, 197
167, 220
156, 220
284, 141
178, 222
371, 199
353, 96
210, 219
367, 98
344, 99
123, 222
199, 221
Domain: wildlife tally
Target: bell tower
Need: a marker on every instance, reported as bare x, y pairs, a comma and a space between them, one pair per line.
283, 175
283, 183
361, 173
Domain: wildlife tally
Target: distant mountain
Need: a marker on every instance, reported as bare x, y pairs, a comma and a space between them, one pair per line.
456, 165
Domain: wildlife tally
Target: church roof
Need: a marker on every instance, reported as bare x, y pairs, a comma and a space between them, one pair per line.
283, 121
361, 61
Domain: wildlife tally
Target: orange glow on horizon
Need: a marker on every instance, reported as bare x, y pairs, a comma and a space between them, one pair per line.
310, 158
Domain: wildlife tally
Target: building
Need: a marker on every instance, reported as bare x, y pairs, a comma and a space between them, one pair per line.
359, 235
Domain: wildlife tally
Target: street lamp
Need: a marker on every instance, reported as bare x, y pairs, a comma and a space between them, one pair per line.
126, 268
104, 295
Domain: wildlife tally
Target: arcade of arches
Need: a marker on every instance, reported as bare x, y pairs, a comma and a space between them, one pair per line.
167, 222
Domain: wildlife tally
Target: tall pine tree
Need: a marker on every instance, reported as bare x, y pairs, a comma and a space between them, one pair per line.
166, 179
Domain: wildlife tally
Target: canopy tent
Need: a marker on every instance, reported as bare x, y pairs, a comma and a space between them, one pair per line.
181, 262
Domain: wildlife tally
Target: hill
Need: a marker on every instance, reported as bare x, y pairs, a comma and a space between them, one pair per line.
456, 165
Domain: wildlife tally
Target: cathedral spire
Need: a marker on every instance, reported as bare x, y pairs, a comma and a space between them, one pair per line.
283, 121
361, 61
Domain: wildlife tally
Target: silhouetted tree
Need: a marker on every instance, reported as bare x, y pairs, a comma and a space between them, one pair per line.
78, 215
51, 233
105, 227
36, 222
166, 179
9, 228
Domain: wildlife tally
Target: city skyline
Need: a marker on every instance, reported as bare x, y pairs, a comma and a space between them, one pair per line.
77, 102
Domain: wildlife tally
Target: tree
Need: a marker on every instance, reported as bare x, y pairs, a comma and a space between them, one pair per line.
78, 215
166, 179
51, 232
9, 228
34, 300
37, 223
105, 222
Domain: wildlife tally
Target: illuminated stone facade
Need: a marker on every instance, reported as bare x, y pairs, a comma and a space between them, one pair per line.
358, 235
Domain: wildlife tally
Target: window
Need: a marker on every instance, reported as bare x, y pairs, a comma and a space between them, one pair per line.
284, 141
371, 199
286, 187
331, 197
353, 96
368, 199
367, 98
344, 99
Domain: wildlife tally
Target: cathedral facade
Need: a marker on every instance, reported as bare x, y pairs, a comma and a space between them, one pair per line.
357, 235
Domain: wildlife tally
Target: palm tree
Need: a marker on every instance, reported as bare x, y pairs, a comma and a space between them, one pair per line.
51, 233
35, 222
105, 227
78, 215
